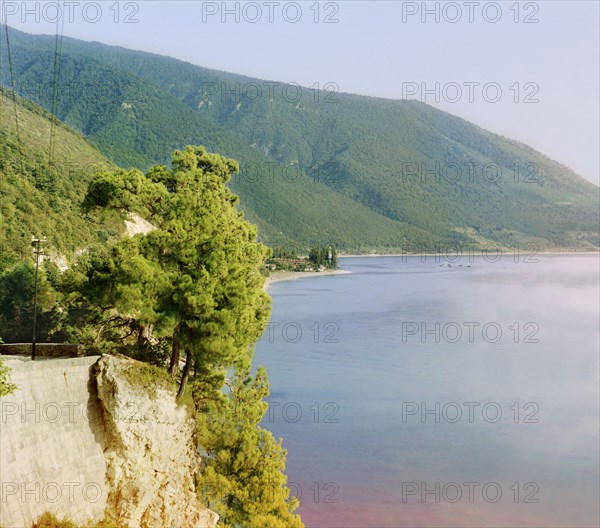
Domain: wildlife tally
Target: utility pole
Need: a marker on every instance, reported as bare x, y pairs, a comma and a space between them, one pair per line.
35, 242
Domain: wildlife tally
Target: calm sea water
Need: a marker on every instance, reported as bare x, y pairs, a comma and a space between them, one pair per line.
410, 394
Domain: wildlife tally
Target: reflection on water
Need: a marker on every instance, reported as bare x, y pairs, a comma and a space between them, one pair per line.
412, 395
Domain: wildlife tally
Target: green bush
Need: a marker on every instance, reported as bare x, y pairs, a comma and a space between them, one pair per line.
6, 387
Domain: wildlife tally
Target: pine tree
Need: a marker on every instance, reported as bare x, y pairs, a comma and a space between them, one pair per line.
243, 478
194, 282
195, 279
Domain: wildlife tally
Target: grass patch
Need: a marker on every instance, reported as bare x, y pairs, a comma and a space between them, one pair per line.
149, 377
47, 520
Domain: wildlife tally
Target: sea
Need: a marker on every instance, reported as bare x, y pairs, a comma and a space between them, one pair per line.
421, 391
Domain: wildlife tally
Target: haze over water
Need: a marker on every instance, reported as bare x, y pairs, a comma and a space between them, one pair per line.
405, 425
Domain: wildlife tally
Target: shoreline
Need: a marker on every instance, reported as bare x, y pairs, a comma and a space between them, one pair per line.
475, 253
280, 276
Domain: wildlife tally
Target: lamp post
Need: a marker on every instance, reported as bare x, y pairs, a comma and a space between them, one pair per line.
35, 242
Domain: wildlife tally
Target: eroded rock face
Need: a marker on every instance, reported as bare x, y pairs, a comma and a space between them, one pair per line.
149, 451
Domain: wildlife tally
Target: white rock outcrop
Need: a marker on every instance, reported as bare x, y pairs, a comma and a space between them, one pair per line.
150, 454
136, 225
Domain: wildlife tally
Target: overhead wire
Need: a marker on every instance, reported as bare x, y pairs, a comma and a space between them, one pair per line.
13, 86
58, 42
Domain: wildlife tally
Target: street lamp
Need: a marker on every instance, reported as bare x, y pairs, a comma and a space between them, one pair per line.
35, 242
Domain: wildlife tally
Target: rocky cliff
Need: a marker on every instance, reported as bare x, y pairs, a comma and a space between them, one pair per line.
80, 439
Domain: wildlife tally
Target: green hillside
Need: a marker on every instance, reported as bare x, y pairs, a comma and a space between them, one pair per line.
41, 196
333, 168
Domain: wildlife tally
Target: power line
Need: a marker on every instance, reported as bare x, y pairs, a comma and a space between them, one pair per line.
14, 96
58, 42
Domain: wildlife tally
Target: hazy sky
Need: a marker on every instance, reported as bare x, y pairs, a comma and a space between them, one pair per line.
545, 52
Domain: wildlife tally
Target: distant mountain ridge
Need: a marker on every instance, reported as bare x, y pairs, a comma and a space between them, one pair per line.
317, 166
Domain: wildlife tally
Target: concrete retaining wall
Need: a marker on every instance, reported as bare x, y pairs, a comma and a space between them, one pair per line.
51, 443
79, 440
43, 350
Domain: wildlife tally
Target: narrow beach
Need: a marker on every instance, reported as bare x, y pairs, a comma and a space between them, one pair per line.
278, 276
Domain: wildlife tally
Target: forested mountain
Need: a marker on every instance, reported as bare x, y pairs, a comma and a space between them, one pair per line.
316, 166
41, 193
